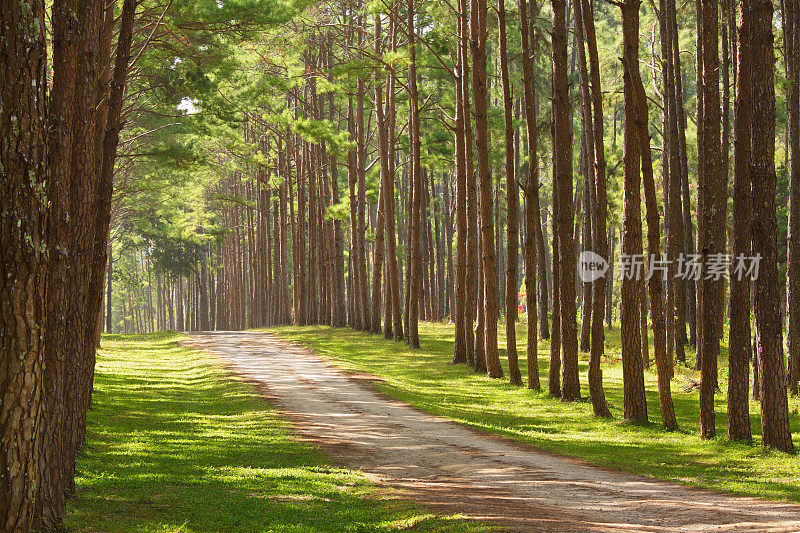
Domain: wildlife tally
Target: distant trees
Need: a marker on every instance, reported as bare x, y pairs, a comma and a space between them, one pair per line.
411, 111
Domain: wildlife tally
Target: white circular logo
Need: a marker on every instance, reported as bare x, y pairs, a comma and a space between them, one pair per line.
591, 266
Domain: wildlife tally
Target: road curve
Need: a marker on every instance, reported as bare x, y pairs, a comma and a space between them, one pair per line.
453, 469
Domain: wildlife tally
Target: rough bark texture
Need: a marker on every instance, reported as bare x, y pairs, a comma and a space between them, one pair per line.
101, 207
385, 184
599, 244
676, 236
562, 163
460, 309
473, 242
489, 259
791, 35
771, 373
709, 239
634, 400
739, 339
50, 501
655, 283
554, 364
23, 255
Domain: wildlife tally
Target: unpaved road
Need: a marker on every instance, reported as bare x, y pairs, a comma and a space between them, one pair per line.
453, 469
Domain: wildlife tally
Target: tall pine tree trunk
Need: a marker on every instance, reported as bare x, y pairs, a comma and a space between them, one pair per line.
709, 189
533, 228
599, 217
739, 347
562, 168
791, 36
660, 352
415, 207
775, 430
478, 45
23, 260
512, 204
634, 401
461, 290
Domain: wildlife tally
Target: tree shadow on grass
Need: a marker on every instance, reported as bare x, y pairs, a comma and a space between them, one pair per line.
173, 444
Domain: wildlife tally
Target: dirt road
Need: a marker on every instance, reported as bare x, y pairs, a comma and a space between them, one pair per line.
453, 469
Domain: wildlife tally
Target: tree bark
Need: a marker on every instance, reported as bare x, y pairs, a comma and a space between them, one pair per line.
660, 352
775, 430
634, 400
709, 189
478, 16
512, 205
416, 187
23, 255
533, 228
791, 36
562, 163
599, 217
739, 336
460, 311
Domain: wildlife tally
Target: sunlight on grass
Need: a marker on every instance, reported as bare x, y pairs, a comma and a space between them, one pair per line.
424, 379
175, 444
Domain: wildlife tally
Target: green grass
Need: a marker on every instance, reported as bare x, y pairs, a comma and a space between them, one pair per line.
176, 444
424, 379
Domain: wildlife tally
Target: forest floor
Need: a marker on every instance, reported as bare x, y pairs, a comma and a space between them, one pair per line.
453, 468
175, 443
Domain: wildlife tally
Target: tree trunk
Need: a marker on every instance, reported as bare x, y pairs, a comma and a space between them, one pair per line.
533, 238
416, 188
385, 184
655, 281
676, 236
775, 430
554, 366
23, 264
473, 241
461, 286
791, 36
599, 216
512, 204
635, 402
478, 43
739, 335
562, 168
709, 189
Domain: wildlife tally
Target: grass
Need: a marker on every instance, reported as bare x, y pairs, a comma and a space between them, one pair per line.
176, 444
423, 379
